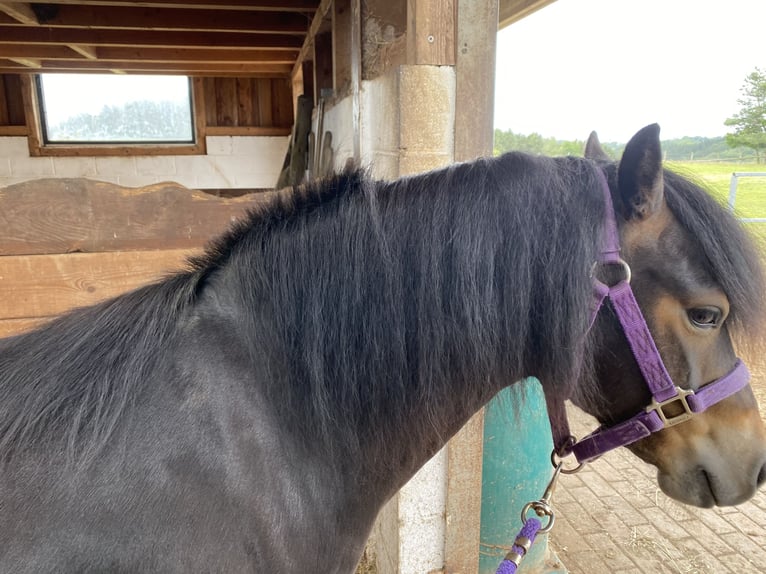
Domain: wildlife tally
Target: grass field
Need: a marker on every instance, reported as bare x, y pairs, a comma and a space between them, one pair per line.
751, 191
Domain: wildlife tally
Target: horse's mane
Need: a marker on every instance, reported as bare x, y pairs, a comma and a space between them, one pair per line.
72, 379
461, 281
372, 292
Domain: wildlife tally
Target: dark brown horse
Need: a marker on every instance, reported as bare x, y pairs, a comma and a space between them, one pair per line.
255, 412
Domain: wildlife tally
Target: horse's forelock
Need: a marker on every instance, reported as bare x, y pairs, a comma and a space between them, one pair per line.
733, 257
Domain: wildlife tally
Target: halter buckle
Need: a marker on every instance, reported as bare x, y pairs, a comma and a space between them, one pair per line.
672, 418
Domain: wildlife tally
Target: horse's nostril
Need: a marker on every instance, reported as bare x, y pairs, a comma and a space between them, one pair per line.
762, 475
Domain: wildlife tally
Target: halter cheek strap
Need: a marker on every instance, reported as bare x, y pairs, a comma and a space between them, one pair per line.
670, 404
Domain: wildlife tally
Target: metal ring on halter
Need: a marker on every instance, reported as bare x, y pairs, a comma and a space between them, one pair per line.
541, 509
626, 272
557, 459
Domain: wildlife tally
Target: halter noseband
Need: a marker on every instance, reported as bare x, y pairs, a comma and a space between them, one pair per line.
670, 404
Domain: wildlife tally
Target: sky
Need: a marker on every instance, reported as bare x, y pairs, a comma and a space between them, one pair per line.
615, 66
61, 102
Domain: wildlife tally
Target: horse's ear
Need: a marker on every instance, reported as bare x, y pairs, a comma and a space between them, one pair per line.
639, 176
593, 149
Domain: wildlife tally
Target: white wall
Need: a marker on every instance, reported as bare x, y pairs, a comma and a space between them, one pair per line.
231, 162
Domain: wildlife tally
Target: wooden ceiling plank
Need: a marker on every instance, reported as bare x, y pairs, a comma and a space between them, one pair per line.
262, 5
37, 52
121, 17
146, 38
88, 52
197, 55
514, 10
27, 62
19, 11
211, 69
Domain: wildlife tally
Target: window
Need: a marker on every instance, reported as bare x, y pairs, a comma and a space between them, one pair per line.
115, 109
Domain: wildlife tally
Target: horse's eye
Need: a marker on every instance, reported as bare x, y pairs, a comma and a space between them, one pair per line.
705, 317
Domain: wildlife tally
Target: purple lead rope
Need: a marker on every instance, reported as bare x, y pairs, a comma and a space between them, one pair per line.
520, 547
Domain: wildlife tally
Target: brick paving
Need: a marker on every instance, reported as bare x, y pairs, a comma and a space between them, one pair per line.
612, 518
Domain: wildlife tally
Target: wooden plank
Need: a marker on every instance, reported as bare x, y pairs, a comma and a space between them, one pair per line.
31, 112
4, 114
261, 5
463, 506
226, 101
475, 74
475, 80
45, 285
19, 11
144, 54
514, 10
211, 118
199, 115
80, 215
124, 17
308, 79
323, 76
308, 41
264, 102
14, 100
247, 131
356, 77
11, 34
431, 32
245, 115
341, 47
282, 103
250, 70
14, 131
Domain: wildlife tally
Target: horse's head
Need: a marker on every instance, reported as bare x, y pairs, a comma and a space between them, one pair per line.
697, 281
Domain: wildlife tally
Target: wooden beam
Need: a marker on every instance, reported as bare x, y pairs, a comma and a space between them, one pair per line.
514, 10
246, 131
323, 76
94, 216
182, 69
475, 80
431, 32
356, 78
14, 130
45, 285
146, 38
88, 52
260, 5
19, 11
341, 46
160, 55
33, 63
125, 17
308, 42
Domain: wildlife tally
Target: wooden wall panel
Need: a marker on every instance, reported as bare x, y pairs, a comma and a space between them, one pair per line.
46, 285
248, 103
11, 101
73, 242
79, 215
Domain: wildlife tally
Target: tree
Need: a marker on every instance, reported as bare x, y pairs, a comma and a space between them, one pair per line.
750, 123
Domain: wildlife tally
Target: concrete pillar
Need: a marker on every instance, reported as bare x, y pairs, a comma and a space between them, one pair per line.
411, 529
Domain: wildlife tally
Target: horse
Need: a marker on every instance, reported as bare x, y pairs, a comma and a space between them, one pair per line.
254, 411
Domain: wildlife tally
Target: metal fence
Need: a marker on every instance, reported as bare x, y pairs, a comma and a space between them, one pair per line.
733, 192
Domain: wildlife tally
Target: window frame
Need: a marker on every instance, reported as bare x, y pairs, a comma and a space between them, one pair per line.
38, 147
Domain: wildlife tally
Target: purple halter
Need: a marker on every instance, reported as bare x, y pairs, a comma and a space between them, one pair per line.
664, 392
